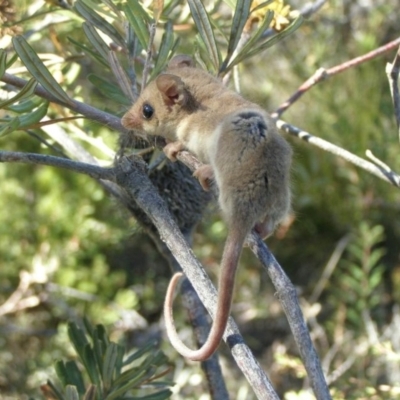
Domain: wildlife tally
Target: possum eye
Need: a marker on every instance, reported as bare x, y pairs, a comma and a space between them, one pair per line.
147, 111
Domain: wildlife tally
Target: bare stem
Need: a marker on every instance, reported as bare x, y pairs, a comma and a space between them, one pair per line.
392, 71
385, 174
323, 74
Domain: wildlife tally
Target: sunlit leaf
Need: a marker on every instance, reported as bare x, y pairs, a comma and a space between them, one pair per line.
99, 22
240, 16
36, 67
121, 76
158, 6
243, 53
96, 40
135, 15
202, 21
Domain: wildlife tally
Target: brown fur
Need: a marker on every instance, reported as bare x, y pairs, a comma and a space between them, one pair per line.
244, 151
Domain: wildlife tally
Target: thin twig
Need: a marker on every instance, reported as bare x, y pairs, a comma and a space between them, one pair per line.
311, 8
91, 170
323, 74
392, 71
383, 173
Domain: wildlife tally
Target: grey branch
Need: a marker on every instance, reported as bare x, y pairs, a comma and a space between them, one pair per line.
385, 174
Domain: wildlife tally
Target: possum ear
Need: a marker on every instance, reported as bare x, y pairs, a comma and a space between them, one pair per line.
180, 61
172, 89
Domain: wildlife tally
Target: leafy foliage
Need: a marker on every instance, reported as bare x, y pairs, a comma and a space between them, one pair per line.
63, 240
111, 376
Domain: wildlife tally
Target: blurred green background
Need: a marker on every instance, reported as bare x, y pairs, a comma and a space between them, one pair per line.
68, 250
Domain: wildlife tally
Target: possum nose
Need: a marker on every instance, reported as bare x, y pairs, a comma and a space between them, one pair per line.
131, 121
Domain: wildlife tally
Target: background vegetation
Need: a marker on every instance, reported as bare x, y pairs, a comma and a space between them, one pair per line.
68, 250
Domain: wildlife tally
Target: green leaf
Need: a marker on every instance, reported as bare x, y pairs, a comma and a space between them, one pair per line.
96, 40
34, 117
10, 126
119, 391
110, 360
167, 43
77, 338
99, 22
26, 105
71, 393
27, 91
243, 53
89, 361
202, 21
109, 90
75, 376
240, 17
139, 353
35, 66
3, 62
89, 51
138, 20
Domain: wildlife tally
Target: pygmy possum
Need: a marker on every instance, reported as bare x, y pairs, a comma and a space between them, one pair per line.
242, 152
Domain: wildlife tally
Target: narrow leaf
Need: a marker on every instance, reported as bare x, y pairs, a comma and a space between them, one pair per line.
138, 24
109, 365
36, 67
99, 22
3, 62
10, 126
139, 353
109, 90
27, 120
75, 376
96, 40
167, 43
27, 91
90, 363
121, 76
71, 393
202, 21
240, 17
26, 105
89, 51
243, 53
77, 338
